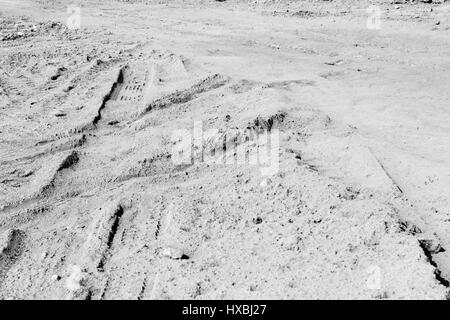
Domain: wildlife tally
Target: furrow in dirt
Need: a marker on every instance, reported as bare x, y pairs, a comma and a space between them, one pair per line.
11, 248
182, 96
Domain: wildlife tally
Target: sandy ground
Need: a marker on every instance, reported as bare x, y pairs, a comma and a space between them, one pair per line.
127, 145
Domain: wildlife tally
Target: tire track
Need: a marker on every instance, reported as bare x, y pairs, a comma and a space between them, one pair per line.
11, 248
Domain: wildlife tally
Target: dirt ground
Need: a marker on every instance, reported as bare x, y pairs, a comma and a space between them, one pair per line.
132, 135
